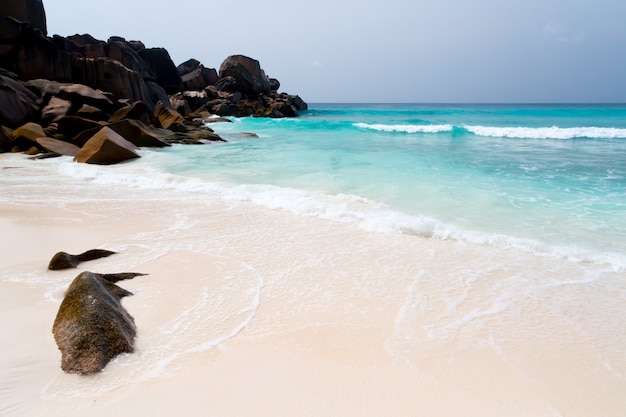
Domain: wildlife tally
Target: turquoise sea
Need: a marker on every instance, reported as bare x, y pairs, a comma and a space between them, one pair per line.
549, 179
480, 248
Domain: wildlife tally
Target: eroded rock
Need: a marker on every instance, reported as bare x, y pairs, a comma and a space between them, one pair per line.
92, 327
106, 147
64, 260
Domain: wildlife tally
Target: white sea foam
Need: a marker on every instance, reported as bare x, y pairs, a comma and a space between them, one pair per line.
553, 132
406, 128
366, 214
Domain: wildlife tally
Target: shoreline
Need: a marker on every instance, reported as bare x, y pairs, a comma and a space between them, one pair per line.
252, 311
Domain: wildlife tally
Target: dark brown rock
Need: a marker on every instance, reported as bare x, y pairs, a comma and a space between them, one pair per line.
247, 75
138, 133
110, 75
92, 327
91, 113
195, 99
6, 139
169, 118
157, 93
10, 31
188, 66
29, 11
199, 78
136, 111
117, 49
274, 84
106, 147
55, 109
30, 54
158, 61
33, 150
17, 103
63, 260
76, 93
72, 126
58, 146
29, 132
179, 104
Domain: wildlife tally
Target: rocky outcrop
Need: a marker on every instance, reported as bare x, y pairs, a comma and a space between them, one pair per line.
159, 63
6, 139
74, 86
28, 53
92, 327
30, 11
64, 260
58, 147
138, 133
105, 148
76, 93
17, 103
243, 74
26, 136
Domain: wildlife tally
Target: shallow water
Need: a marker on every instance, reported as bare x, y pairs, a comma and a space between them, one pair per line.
464, 255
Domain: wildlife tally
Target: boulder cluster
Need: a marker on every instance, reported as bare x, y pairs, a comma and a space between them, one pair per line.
99, 101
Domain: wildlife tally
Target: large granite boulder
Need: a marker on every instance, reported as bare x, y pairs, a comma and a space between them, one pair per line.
188, 66
72, 126
138, 133
110, 75
106, 147
30, 11
195, 76
56, 109
30, 54
158, 61
28, 133
58, 147
77, 93
18, 105
92, 327
136, 111
116, 48
156, 94
247, 76
169, 118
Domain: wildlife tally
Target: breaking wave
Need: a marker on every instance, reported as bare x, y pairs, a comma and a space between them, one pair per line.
553, 132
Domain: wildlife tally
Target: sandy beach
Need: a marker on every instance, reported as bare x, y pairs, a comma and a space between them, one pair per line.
248, 311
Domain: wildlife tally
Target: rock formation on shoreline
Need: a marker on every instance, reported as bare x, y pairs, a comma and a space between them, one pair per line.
69, 89
64, 260
92, 327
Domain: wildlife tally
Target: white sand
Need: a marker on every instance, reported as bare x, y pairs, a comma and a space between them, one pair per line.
253, 312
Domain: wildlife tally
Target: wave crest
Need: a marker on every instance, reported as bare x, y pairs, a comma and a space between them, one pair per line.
553, 132
406, 128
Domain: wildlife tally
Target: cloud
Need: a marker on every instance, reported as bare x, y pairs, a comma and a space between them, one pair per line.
317, 64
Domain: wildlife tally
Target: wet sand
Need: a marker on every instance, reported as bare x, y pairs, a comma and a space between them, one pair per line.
250, 311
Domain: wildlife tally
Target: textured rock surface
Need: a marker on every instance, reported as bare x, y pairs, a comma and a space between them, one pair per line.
106, 147
92, 327
64, 260
30, 11
73, 86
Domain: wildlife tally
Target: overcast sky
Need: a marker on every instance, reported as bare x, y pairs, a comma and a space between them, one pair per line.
391, 51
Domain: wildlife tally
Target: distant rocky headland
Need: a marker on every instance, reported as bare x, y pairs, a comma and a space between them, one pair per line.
99, 101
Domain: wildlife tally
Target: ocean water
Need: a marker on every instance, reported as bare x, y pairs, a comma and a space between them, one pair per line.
548, 179
483, 246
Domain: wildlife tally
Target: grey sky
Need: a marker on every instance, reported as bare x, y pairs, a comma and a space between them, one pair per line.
392, 51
